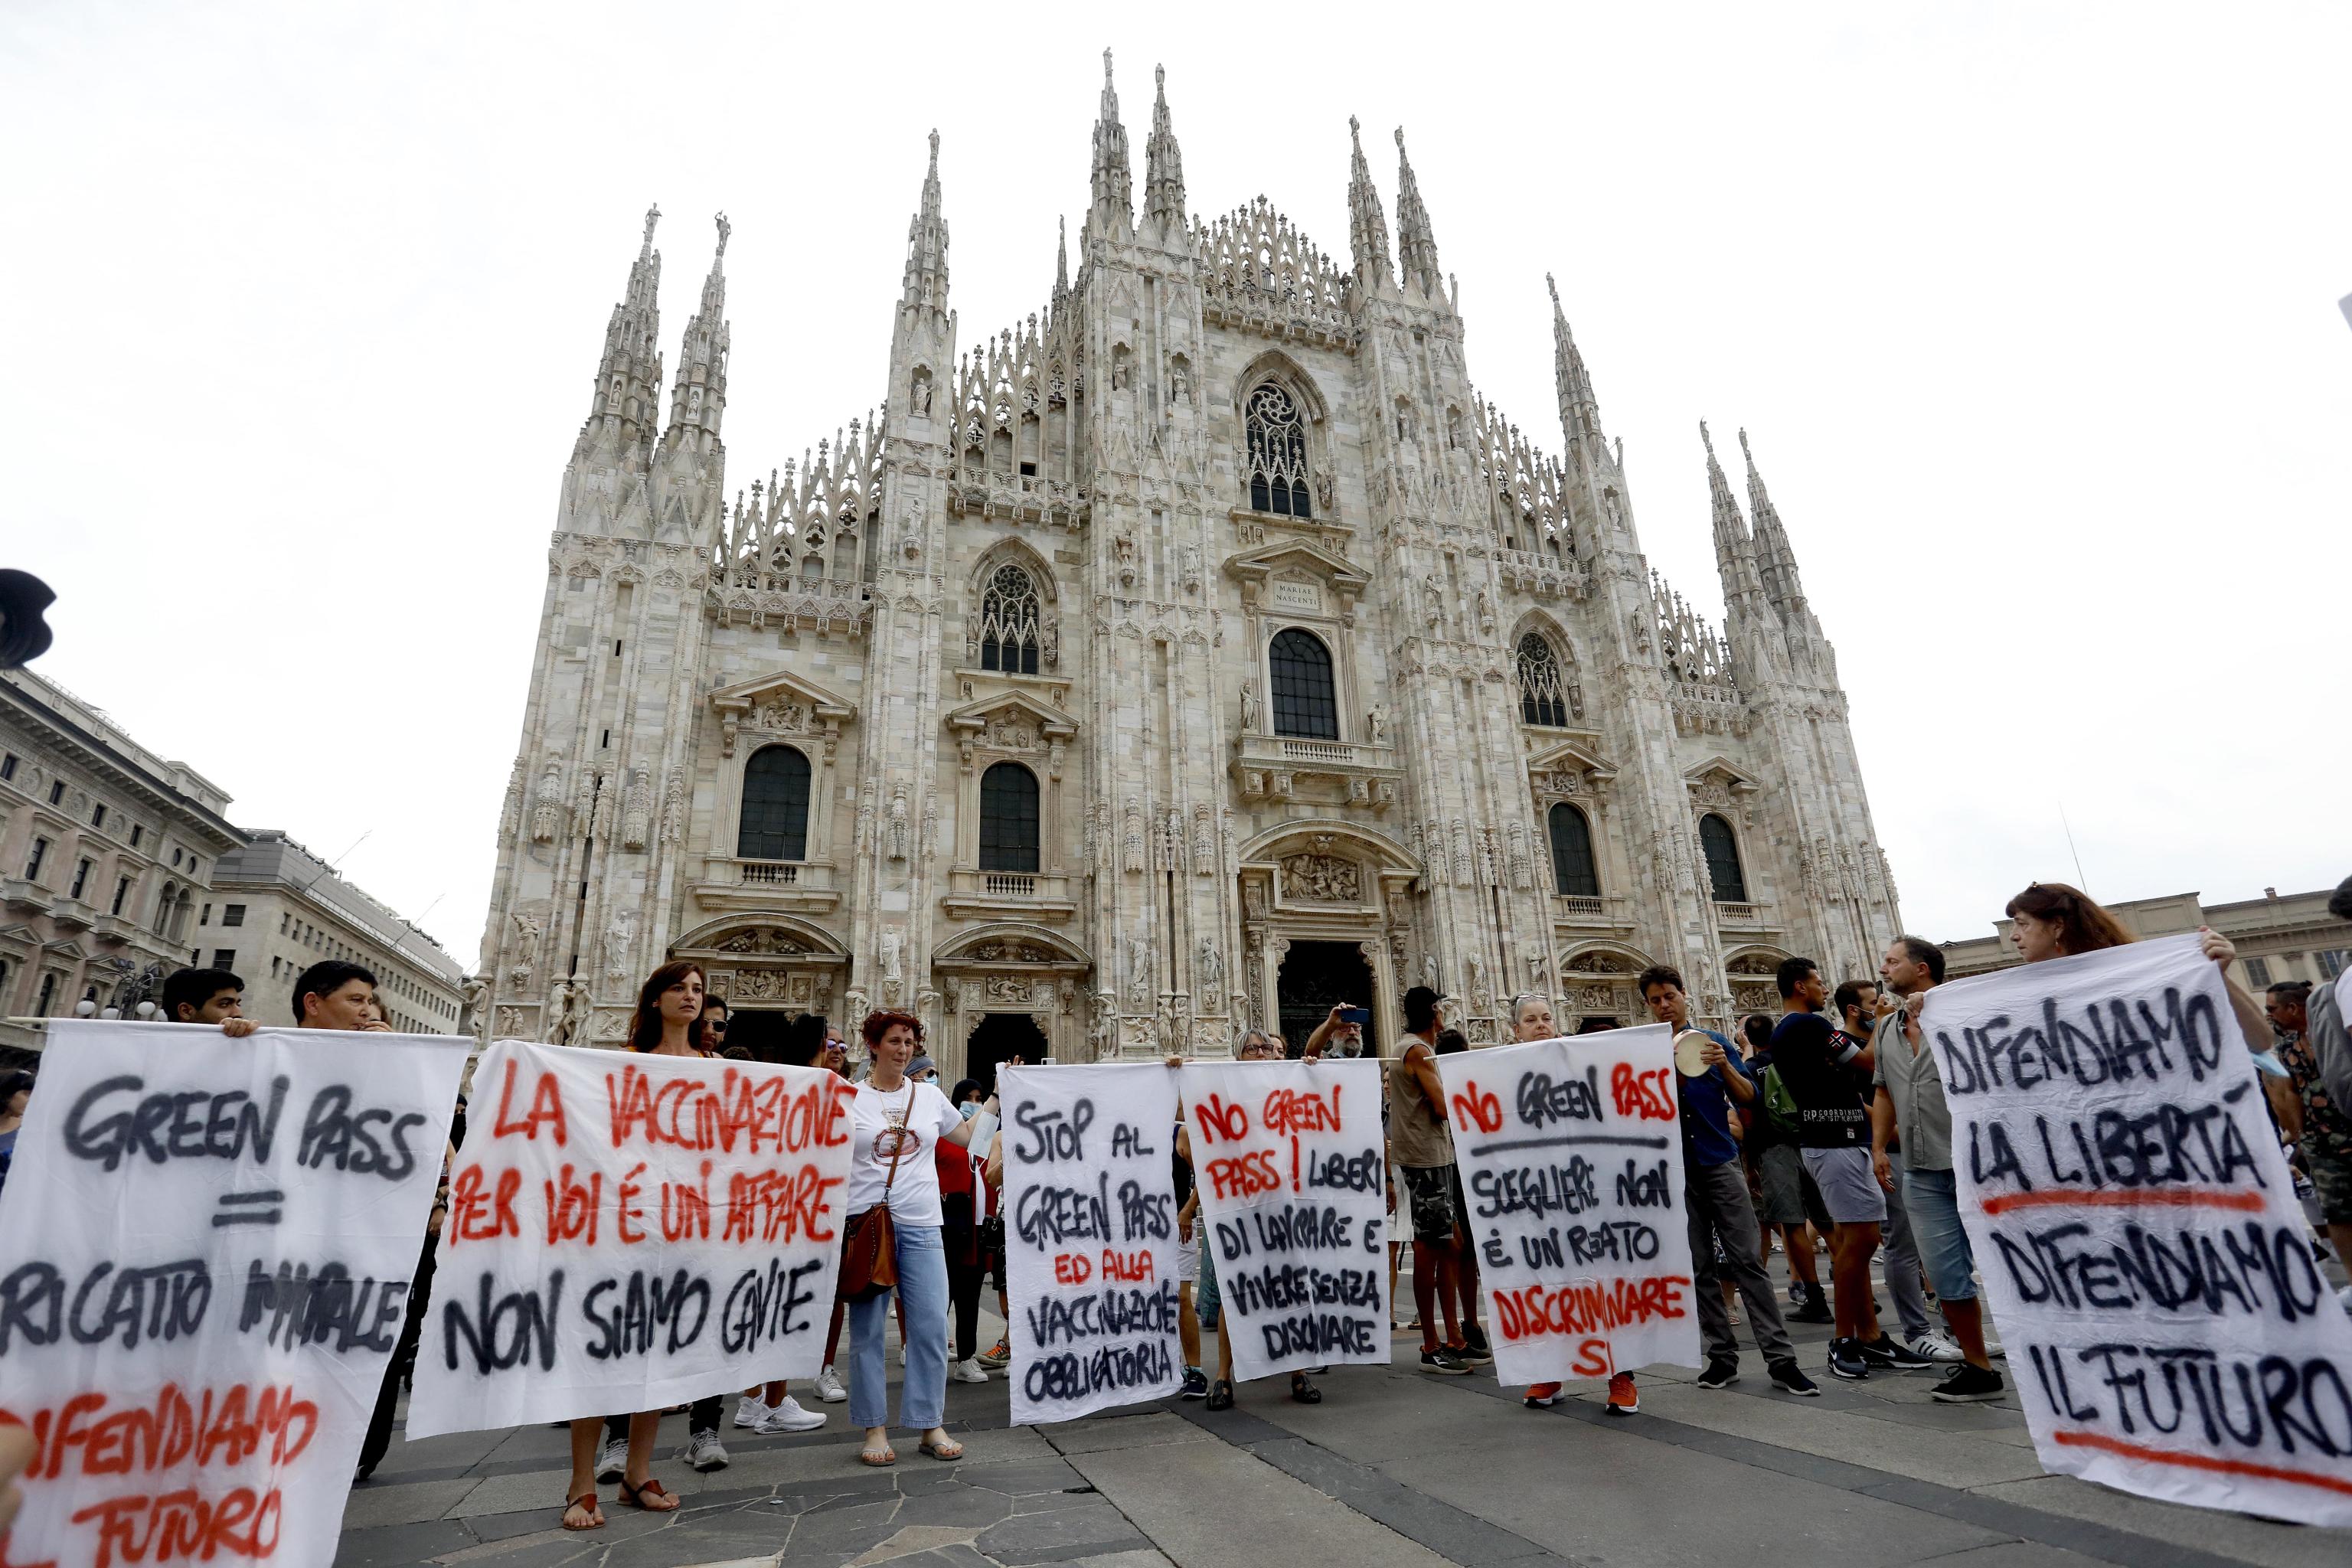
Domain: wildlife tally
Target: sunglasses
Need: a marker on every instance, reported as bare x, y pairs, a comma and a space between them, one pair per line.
718, 1027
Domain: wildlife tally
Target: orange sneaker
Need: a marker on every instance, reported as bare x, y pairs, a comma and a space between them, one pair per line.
1621, 1398
1543, 1395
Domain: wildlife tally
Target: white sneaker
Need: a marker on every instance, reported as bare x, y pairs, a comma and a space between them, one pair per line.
613, 1460
1937, 1347
704, 1451
967, 1371
788, 1416
750, 1414
1994, 1348
828, 1386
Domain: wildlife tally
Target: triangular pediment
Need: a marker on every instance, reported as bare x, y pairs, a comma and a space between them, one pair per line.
1721, 770
782, 685
20, 932
1302, 555
1016, 709
1573, 757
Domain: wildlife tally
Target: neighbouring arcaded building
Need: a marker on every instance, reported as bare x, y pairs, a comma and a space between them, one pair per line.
1201, 648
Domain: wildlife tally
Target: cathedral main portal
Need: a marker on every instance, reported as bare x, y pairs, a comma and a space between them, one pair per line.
1317, 976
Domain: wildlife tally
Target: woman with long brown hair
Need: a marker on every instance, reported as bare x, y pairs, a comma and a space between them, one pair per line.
896, 1126
668, 1006
2051, 920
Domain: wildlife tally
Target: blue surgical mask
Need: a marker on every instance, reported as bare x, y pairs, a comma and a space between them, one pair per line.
970, 1107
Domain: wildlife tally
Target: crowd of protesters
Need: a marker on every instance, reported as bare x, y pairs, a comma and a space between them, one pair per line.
1823, 1130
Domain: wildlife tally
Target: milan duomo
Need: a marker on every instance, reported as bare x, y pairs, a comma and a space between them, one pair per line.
1200, 651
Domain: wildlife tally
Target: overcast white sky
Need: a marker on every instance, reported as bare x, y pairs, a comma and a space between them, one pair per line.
2029, 310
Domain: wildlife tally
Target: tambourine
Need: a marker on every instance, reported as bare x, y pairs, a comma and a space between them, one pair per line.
1687, 1046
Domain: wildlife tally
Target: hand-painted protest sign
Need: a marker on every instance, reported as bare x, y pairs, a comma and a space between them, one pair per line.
627, 1231
2137, 1230
208, 1245
1288, 1159
1570, 1155
1090, 1238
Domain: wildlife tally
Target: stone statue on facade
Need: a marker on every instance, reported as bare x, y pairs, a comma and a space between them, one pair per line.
568, 1008
546, 818
1208, 969
1377, 723
897, 822
636, 812
620, 939
1249, 706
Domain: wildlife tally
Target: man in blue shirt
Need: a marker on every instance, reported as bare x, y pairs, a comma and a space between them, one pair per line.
1714, 1191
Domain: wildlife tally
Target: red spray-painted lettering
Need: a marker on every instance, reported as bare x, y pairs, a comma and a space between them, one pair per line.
1477, 1110
546, 1106
1644, 1096
479, 1215
182, 1526
1537, 1311
204, 1426
761, 1112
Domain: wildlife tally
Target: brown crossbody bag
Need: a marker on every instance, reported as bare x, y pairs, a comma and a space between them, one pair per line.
869, 1245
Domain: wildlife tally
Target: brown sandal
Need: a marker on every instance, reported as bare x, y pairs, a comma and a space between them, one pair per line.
635, 1496
588, 1499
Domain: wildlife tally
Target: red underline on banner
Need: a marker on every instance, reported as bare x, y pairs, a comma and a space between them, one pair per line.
2199, 1461
2130, 1197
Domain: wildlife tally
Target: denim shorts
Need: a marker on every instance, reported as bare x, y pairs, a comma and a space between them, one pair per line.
1932, 1198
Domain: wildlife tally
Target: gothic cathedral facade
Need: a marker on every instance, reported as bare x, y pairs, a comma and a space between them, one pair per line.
1200, 652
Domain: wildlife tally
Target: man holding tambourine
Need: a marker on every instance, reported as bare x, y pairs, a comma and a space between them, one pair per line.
1715, 1188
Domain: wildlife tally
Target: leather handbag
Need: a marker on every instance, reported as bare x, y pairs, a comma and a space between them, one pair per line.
869, 1245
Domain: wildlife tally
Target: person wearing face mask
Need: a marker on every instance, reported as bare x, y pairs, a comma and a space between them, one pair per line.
896, 1125
963, 1204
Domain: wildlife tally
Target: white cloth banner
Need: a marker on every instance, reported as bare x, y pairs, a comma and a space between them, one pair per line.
1090, 1238
627, 1231
1288, 1159
208, 1245
1571, 1154
2137, 1234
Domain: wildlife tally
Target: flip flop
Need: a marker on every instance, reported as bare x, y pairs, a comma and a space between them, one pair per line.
950, 1450
635, 1496
877, 1456
589, 1499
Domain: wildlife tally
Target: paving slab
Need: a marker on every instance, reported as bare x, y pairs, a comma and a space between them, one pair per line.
2224, 1534
378, 1504
1208, 1505
1520, 1486
1947, 1459
1098, 1433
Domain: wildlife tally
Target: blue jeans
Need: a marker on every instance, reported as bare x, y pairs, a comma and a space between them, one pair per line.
923, 1288
1932, 1198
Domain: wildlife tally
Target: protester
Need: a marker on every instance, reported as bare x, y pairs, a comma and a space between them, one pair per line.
15, 1094
1423, 1142
1919, 1347
894, 1122
1253, 1046
1531, 1020
2320, 1130
1821, 1070
1716, 1195
1786, 1201
670, 1005
208, 996
335, 995
2326, 1086
1188, 1259
710, 1029
922, 1069
770, 1408
963, 1200
1909, 1101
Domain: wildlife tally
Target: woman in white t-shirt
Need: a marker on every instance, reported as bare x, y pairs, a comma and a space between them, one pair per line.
894, 1118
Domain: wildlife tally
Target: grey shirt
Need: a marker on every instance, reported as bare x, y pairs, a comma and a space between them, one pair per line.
1922, 1119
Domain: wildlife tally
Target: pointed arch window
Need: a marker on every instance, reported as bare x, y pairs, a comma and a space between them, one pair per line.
1008, 622
1305, 699
775, 824
1008, 818
1543, 695
1278, 454
1723, 877
1572, 869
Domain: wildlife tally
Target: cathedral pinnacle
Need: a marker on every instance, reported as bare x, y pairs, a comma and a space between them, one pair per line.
1061, 260
1163, 164
1735, 555
1114, 179
1416, 243
1777, 561
627, 395
1368, 223
1580, 407
926, 282
699, 393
